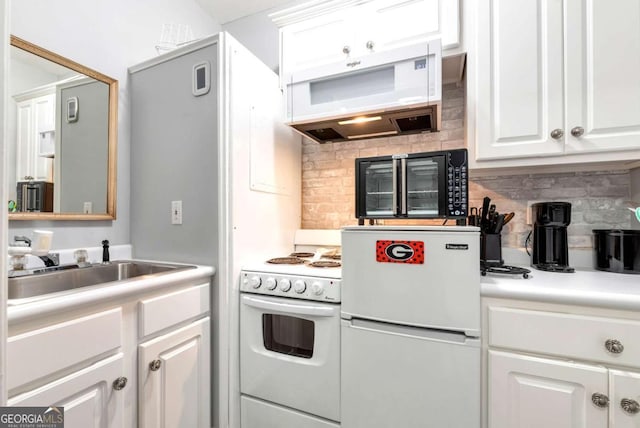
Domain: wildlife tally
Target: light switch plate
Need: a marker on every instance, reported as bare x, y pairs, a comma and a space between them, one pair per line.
176, 212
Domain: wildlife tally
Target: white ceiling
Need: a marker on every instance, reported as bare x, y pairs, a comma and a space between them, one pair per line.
224, 11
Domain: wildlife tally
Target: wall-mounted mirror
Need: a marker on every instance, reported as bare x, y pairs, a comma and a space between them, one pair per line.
62, 132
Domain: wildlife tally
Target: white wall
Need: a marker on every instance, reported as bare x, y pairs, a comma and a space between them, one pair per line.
260, 35
108, 36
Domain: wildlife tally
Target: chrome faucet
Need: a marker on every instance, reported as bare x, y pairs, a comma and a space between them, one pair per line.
21, 238
51, 259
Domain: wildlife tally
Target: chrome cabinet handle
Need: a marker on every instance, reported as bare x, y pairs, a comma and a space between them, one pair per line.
577, 131
370, 45
630, 406
600, 400
614, 346
120, 383
155, 365
556, 134
346, 50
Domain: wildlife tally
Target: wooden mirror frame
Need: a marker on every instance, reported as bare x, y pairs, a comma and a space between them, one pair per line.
112, 136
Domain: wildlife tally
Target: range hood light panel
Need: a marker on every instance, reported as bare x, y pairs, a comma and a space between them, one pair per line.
362, 119
377, 134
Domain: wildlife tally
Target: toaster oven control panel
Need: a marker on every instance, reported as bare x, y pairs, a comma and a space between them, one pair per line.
457, 184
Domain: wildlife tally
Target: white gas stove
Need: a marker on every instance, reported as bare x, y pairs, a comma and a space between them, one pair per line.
293, 277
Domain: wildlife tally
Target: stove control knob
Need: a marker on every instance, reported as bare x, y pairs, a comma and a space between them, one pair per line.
317, 288
285, 285
270, 283
299, 286
255, 281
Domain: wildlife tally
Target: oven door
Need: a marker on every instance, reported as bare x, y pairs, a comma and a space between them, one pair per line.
290, 353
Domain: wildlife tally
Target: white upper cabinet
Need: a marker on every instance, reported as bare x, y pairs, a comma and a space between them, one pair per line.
603, 75
333, 33
555, 78
36, 123
308, 44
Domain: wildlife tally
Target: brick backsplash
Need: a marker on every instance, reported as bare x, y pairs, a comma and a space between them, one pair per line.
328, 183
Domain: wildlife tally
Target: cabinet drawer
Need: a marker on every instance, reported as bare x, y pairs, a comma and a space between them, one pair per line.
565, 335
167, 310
38, 353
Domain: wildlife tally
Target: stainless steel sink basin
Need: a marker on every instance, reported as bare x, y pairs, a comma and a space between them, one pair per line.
68, 279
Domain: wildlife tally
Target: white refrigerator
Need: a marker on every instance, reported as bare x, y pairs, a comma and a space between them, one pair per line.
410, 328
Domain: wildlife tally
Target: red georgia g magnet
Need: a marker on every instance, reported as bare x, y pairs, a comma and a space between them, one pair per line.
411, 252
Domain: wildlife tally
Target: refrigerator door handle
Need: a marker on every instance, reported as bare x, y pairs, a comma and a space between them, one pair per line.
414, 332
403, 186
305, 309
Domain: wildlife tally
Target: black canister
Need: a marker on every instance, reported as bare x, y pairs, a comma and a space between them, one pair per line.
617, 250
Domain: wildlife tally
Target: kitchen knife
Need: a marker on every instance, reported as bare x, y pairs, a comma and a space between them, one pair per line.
498, 224
484, 221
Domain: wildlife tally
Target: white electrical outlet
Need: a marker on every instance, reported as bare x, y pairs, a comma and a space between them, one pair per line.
529, 216
176, 212
87, 208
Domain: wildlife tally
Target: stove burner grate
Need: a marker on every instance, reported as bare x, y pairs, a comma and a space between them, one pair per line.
325, 264
333, 257
301, 254
286, 261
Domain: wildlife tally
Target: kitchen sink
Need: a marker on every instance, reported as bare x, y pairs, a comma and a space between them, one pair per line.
69, 278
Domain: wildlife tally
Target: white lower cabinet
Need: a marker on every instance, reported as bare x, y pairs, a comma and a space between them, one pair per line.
91, 397
173, 379
526, 391
95, 362
558, 366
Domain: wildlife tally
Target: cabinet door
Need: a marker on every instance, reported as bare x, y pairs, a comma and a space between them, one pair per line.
88, 396
316, 41
393, 23
624, 386
530, 392
24, 145
173, 379
603, 75
44, 112
520, 78
34, 115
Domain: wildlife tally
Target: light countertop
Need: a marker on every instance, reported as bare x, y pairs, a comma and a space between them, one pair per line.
79, 297
585, 287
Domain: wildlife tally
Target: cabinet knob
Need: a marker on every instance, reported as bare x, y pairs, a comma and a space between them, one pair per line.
370, 45
155, 365
120, 383
600, 400
557, 133
630, 406
346, 50
577, 131
614, 346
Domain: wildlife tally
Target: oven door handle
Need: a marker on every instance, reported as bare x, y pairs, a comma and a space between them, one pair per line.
307, 308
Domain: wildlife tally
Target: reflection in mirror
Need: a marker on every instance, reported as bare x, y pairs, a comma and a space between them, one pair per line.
62, 135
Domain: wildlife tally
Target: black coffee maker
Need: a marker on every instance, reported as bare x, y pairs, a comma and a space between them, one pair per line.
550, 242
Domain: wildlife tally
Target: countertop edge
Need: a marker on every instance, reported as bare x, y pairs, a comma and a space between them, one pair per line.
103, 293
584, 288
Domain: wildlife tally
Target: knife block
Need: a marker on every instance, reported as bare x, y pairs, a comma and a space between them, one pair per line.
491, 249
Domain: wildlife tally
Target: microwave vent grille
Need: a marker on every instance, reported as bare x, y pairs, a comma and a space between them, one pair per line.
414, 123
325, 134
